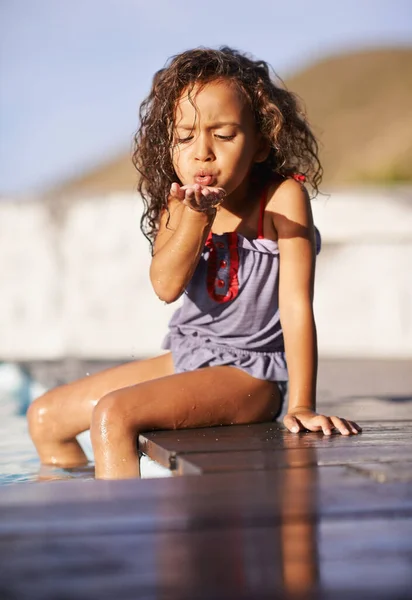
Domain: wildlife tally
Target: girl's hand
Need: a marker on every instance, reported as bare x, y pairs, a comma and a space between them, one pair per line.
198, 197
306, 419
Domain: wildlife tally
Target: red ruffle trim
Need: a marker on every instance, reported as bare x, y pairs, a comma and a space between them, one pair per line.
212, 269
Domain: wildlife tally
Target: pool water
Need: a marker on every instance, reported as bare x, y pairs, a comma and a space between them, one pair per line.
18, 458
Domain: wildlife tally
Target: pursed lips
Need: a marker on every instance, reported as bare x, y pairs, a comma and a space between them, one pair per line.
205, 177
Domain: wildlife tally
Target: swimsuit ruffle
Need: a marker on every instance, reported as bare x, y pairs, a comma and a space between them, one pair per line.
191, 353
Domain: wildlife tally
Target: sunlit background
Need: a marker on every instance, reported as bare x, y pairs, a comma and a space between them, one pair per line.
74, 288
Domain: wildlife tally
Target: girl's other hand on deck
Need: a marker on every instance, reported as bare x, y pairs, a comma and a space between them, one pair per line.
309, 420
198, 197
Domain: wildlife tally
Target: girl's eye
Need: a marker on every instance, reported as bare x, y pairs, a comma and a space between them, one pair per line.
184, 140
225, 137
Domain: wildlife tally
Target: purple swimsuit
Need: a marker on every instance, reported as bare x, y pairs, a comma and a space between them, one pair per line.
230, 311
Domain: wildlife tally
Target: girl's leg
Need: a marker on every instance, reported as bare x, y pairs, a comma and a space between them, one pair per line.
206, 397
62, 413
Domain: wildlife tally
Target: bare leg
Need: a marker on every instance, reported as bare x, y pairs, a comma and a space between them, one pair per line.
57, 417
206, 397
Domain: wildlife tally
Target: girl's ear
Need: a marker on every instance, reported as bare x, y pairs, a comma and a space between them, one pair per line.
263, 149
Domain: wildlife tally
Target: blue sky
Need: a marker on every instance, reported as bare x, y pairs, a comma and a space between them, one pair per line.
72, 73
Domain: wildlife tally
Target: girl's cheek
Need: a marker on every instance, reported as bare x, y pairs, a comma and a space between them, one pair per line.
176, 161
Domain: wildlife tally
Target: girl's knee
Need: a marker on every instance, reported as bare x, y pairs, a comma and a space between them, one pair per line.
108, 417
41, 416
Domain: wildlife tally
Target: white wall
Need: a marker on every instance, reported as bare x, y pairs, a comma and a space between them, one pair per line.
74, 278
77, 285
363, 299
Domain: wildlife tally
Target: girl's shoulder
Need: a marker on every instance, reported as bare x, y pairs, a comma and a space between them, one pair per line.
285, 191
288, 204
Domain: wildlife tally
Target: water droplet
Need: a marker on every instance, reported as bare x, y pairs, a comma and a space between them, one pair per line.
87, 374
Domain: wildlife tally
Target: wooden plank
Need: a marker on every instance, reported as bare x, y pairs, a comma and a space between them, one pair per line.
164, 446
251, 460
329, 559
199, 463
181, 503
382, 472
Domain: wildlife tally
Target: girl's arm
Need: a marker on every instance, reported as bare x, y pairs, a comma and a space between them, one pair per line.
178, 246
292, 218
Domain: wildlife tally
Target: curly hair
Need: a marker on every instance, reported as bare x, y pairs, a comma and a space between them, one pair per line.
278, 115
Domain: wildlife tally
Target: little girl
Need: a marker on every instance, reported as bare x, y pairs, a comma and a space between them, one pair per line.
222, 152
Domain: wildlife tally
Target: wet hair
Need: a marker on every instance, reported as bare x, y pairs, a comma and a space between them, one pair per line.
278, 114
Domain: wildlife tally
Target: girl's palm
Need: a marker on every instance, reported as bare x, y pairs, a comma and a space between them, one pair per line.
198, 197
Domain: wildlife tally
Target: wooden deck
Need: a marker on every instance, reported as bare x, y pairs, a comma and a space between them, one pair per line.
258, 513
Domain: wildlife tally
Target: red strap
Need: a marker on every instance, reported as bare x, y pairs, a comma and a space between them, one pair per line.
262, 212
299, 177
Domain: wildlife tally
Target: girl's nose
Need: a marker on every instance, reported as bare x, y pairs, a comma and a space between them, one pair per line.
203, 149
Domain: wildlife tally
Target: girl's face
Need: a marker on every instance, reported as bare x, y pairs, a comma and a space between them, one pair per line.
215, 139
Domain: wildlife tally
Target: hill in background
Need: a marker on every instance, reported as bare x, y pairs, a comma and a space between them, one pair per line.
360, 109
